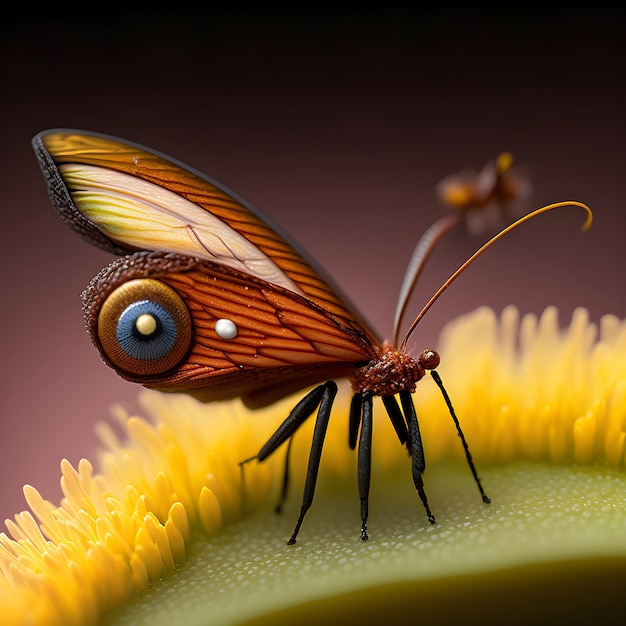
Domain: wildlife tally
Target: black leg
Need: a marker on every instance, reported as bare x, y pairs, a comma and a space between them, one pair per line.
468, 456
298, 415
329, 391
356, 409
397, 419
365, 462
283, 492
418, 463
284, 432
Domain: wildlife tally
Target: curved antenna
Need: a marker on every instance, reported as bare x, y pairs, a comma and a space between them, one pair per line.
426, 244
476, 254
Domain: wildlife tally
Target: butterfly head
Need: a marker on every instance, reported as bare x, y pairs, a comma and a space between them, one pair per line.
393, 371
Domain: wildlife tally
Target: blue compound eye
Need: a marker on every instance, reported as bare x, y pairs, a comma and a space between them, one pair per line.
144, 328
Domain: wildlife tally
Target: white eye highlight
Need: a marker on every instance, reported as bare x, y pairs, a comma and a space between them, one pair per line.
226, 329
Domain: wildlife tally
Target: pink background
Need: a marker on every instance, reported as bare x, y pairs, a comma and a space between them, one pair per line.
338, 126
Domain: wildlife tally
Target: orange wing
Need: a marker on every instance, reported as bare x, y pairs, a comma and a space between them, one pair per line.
69, 150
204, 255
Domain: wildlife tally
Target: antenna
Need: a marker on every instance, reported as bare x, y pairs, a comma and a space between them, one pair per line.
426, 244
484, 247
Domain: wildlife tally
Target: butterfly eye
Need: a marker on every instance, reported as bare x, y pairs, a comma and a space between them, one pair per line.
429, 359
144, 327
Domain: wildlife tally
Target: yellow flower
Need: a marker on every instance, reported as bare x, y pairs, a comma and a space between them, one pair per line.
167, 530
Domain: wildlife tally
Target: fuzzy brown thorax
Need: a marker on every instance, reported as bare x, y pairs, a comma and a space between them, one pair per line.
393, 371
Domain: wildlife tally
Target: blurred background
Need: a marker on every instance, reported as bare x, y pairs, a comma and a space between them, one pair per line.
338, 125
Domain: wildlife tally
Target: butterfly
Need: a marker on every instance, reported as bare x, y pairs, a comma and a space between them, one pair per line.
208, 297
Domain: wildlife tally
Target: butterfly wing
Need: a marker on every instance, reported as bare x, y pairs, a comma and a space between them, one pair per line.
221, 258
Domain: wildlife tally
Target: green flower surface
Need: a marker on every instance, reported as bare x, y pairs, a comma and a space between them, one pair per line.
551, 548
